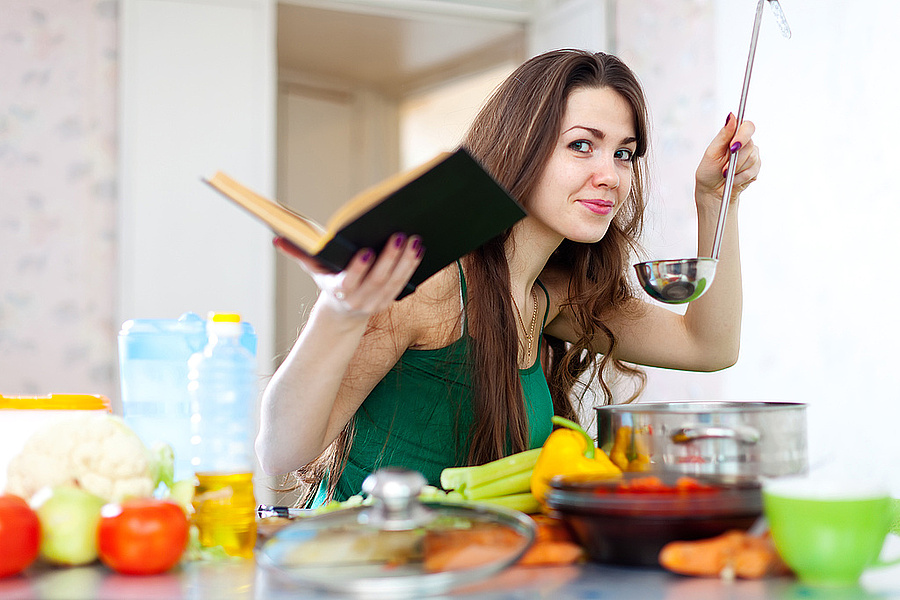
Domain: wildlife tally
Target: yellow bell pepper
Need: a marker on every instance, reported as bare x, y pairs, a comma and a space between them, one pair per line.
628, 453
569, 451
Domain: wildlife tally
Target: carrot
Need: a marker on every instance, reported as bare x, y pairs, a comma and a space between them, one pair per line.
747, 557
758, 558
703, 557
552, 529
554, 544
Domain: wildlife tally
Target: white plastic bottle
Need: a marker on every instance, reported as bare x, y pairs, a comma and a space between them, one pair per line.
223, 387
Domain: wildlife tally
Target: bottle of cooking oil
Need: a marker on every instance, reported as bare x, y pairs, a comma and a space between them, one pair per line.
223, 388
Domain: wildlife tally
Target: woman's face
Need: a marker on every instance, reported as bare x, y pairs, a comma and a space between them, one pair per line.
588, 175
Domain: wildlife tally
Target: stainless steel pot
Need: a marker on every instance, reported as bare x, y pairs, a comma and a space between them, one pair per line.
749, 439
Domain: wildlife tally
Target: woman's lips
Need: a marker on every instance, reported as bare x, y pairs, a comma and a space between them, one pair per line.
598, 207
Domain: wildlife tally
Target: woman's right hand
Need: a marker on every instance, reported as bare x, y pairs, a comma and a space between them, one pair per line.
368, 285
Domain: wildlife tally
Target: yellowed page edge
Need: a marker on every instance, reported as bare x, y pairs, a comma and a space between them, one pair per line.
306, 234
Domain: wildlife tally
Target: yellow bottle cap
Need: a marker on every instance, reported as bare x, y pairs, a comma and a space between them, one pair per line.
225, 317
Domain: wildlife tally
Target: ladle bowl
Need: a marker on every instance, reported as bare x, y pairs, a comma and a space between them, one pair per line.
676, 281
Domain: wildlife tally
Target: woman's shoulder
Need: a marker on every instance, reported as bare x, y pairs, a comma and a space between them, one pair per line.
430, 316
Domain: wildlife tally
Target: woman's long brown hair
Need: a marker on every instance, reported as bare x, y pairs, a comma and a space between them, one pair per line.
513, 137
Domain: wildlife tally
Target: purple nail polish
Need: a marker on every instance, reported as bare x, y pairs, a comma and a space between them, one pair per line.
735, 147
728, 119
367, 255
725, 173
416, 243
420, 251
398, 241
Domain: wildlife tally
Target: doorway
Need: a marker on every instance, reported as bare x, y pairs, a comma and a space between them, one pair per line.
366, 91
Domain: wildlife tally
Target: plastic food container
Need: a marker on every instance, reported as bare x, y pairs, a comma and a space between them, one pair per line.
21, 416
153, 371
397, 546
627, 520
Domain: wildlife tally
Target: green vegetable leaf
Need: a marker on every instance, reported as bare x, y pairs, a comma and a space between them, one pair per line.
162, 464
182, 493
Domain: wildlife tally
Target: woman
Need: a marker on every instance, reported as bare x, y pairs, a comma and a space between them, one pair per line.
455, 373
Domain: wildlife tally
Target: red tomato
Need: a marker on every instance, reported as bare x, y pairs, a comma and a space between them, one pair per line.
20, 535
142, 536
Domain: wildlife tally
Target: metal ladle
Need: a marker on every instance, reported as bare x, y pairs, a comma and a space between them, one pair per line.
685, 280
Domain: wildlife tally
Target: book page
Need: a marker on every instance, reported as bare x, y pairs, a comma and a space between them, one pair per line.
302, 231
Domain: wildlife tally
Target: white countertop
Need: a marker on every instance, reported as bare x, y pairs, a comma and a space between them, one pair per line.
245, 580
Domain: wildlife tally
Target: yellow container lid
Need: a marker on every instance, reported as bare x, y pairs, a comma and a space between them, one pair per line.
56, 402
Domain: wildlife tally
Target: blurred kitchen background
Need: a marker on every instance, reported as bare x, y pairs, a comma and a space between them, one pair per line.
111, 112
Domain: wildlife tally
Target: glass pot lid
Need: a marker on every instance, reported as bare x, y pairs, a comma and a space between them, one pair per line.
398, 546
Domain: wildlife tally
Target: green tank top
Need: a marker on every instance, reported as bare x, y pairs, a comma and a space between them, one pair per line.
420, 414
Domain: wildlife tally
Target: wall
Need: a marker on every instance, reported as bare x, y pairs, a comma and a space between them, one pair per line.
682, 93
58, 201
313, 113
197, 95
88, 240
436, 119
817, 230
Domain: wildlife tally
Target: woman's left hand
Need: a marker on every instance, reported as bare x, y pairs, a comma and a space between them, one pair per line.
713, 168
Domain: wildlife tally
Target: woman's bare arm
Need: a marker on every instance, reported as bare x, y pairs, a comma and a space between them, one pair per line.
339, 356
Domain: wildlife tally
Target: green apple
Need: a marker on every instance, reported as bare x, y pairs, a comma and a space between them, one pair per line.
69, 517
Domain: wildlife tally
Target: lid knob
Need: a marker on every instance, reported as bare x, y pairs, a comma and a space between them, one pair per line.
395, 493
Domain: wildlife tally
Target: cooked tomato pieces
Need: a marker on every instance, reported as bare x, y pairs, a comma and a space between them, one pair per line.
655, 485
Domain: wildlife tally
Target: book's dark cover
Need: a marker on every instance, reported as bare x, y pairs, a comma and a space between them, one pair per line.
455, 207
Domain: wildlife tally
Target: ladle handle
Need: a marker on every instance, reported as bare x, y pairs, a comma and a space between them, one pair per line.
732, 160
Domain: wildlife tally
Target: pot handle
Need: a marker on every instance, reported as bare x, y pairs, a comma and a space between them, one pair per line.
743, 434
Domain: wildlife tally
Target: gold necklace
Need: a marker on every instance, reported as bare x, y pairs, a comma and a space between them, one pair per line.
529, 333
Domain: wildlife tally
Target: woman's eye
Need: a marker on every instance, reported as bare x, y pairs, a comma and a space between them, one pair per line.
624, 154
580, 146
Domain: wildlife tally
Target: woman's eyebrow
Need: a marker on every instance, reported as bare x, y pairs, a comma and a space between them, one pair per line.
599, 134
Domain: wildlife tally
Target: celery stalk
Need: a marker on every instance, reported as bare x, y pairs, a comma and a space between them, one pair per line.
461, 478
511, 484
525, 502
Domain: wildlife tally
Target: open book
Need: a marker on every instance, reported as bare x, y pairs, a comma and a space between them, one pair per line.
451, 202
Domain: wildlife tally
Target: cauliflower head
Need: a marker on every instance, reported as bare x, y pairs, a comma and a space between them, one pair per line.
96, 452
